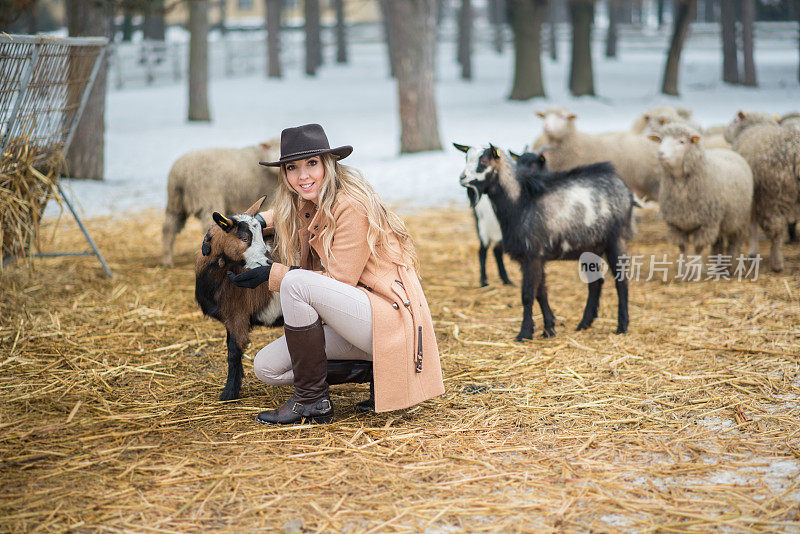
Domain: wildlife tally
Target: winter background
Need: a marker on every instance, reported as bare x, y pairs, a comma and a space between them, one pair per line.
147, 130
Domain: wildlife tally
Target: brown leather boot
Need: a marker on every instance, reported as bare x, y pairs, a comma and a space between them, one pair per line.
311, 402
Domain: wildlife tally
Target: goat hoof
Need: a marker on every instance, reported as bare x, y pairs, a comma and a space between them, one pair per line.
523, 337
549, 332
228, 395
621, 330
484, 284
508, 283
583, 326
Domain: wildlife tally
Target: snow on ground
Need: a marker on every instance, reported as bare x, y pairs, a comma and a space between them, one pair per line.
357, 104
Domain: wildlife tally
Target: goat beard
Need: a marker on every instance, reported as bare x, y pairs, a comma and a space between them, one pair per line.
474, 194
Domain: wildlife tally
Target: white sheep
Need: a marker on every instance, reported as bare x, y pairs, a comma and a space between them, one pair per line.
633, 155
706, 194
773, 153
215, 179
790, 120
652, 120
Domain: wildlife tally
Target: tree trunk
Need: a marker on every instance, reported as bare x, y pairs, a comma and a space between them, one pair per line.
797, 8
660, 12
341, 33
388, 31
273, 38
581, 78
611, 34
85, 159
626, 12
709, 13
552, 26
465, 39
33, 18
497, 18
127, 24
748, 19
730, 61
198, 61
683, 16
526, 18
313, 37
222, 17
414, 26
154, 27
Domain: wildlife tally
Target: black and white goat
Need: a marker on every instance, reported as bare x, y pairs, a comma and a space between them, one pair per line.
489, 233
548, 216
234, 244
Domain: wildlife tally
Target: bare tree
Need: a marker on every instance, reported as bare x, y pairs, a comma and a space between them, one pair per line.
465, 39
709, 13
198, 61
341, 32
273, 38
683, 16
552, 23
526, 17
497, 18
388, 30
313, 37
748, 11
154, 26
660, 12
581, 77
413, 30
611, 34
86, 155
730, 61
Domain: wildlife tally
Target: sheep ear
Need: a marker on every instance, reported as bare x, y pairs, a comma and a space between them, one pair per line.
265, 144
223, 222
646, 117
655, 138
572, 116
686, 113
514, 156
694, 139
740, 114
255, 208
540, 114
495, 153
462, 148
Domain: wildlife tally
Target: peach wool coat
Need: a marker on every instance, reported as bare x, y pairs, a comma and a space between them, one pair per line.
405, 355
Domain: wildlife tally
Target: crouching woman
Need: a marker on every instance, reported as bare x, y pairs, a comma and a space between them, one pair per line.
348, 262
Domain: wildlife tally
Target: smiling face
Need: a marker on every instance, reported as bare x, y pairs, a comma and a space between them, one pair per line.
306, 177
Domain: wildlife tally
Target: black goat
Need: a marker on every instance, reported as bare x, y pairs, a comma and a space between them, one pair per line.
489, 233
234, 244
547, 216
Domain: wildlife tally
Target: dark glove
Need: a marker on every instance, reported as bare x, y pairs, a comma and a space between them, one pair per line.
251, 278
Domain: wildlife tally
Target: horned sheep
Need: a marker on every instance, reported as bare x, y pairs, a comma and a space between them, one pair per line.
706, 194
548, 216
215, 179
633, 155
773, 153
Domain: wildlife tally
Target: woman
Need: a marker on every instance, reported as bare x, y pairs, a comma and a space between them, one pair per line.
347, 260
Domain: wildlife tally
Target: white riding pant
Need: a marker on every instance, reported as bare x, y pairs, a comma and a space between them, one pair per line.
306, 296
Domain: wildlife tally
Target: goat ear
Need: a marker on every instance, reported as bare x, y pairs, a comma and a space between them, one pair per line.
495, 153
514, 155
655, 138
542, 160
462, 148
223, 222
206, 248
540, 114
694, 139
255, 208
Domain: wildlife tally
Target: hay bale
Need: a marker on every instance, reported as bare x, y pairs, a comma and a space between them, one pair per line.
28, 177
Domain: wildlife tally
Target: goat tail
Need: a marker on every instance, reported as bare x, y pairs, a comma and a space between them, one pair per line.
175, 199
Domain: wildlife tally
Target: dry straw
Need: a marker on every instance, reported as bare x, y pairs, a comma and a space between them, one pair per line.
27, 181
689, 423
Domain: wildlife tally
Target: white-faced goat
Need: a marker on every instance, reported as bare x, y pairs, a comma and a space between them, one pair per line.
234, 244
548, 216
489, 233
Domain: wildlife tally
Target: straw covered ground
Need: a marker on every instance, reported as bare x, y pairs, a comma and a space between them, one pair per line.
110, 419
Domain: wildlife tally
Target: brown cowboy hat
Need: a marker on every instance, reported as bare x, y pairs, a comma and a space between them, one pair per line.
306, 141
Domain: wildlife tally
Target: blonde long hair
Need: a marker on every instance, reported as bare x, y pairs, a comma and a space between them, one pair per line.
383, 223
